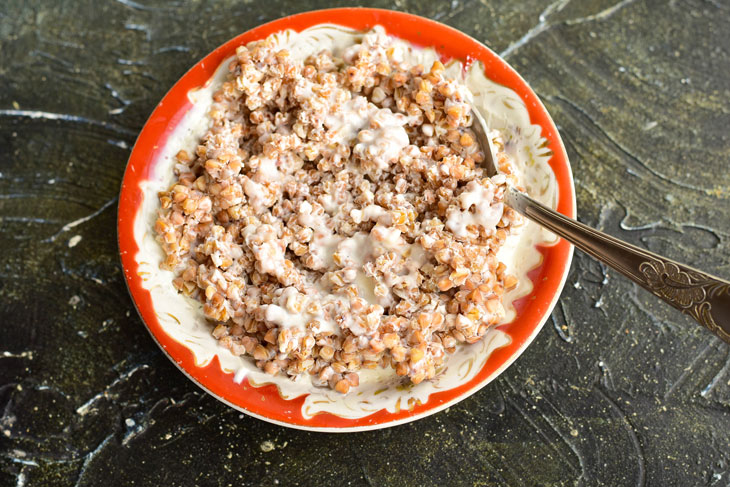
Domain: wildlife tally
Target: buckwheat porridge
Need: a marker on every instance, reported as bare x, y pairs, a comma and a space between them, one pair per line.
335, 217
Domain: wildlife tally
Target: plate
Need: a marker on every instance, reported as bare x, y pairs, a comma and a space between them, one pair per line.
175, 322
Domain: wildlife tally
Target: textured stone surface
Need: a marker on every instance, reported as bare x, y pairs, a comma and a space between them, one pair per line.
616, 390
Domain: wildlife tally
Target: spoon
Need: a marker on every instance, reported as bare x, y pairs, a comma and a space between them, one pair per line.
704, 297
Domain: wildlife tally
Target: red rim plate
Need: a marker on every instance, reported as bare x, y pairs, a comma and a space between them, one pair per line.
265, 402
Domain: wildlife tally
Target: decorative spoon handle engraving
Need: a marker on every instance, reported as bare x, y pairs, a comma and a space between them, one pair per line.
704, 297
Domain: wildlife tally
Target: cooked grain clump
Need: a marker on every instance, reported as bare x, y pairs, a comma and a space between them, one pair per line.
335, 216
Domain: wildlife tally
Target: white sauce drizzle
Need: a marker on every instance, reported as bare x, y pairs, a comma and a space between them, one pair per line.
485, 214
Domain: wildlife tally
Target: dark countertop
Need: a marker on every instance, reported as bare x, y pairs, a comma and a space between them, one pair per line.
617, 389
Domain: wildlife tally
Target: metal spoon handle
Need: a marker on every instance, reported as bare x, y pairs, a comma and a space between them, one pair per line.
704, 297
